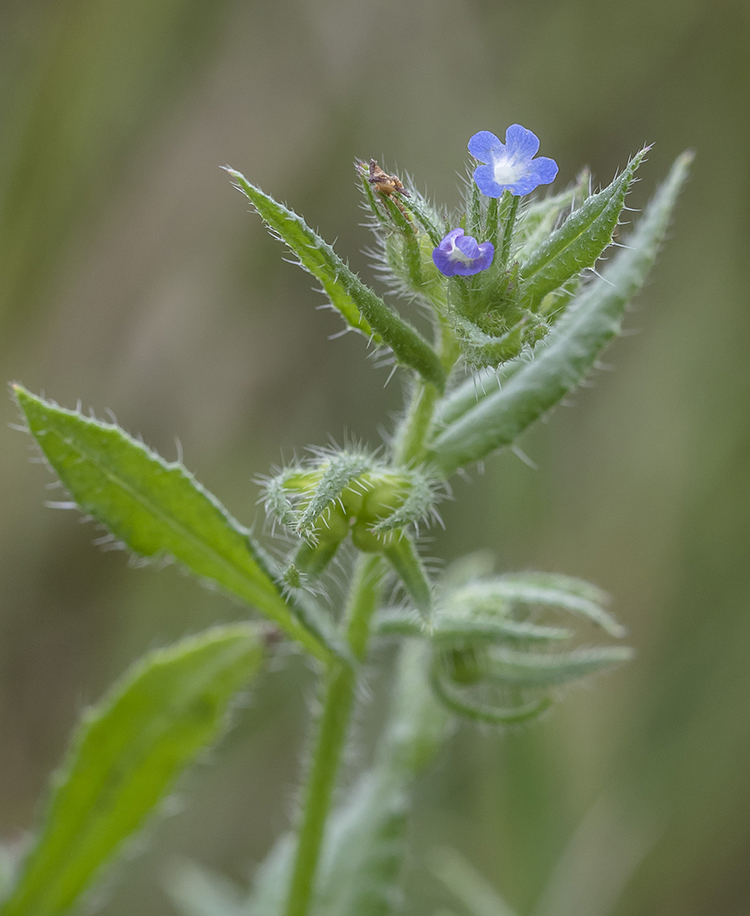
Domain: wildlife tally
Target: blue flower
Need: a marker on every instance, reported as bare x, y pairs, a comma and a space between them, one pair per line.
511, 165
461, 255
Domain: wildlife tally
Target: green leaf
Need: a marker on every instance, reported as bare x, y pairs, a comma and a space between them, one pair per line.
360, 306
579, 242
125, 757
448, 628
507, 710
538, 669
563, 359
365, 848
271, 884
159, 510
537, 220
545, 589
469, 391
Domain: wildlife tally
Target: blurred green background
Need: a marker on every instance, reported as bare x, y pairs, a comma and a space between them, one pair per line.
133, 277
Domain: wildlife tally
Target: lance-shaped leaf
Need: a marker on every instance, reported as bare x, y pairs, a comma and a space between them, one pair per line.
579, 242
445, 628
360, 306
517, 704
538, 219
543, 589
471, 390
537, 669
365, 849
159, 510
125, 757
571, 349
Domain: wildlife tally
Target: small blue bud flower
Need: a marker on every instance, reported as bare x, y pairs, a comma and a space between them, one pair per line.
461, 255
510, 166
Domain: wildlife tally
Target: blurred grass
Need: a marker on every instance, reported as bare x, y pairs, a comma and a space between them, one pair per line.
132, 277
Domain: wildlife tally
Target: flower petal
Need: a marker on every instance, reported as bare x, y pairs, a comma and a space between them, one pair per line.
460, 255
544, 170
539, 171
443, 262
449, 240
521, 143
468, 246
484, 146
486, 254
484, 176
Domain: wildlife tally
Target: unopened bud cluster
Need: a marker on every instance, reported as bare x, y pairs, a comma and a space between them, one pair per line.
347, 494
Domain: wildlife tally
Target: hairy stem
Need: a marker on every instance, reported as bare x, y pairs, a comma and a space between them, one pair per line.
508, 231
333, 726
409, 444
341, 679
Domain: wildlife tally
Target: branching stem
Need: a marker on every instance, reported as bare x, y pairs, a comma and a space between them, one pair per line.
341, 679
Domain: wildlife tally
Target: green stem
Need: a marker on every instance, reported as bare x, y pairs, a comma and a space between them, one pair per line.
474, 227
490, 230
409, 445
333, 726
508, 231
341, 679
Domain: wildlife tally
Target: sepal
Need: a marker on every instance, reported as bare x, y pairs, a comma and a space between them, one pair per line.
406, 227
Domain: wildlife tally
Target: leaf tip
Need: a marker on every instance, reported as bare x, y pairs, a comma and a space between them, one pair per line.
686, 157
24, 398
638, 159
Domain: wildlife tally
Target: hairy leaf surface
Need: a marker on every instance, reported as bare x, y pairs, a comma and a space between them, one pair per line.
537, 669
125, 756
360, 306
579, 242
532, 588
158, 509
